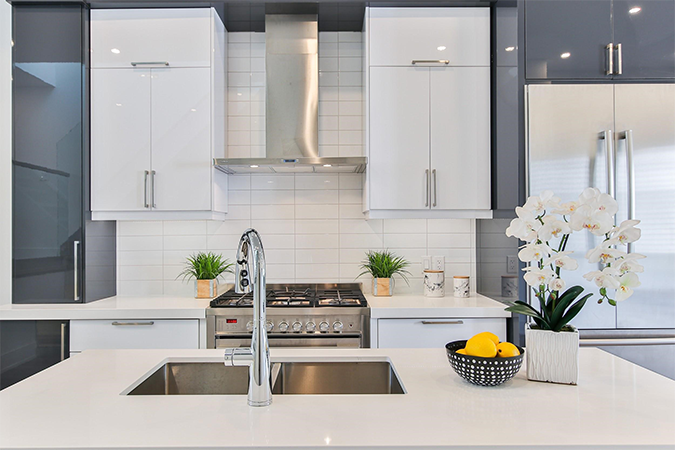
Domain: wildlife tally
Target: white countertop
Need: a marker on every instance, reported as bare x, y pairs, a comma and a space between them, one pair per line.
419, 306
77, 405
111, 308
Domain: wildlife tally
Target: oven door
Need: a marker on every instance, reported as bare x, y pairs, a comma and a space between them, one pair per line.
345, 340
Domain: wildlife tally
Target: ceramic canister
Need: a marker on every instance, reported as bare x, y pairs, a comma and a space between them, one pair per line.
434, 283
461, 286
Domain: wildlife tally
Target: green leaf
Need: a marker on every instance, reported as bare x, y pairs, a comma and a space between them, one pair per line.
205, 266
384, 264
572, 312
611, 302
523, 308
565, 300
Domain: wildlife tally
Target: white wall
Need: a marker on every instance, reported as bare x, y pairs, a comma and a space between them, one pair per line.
5, 153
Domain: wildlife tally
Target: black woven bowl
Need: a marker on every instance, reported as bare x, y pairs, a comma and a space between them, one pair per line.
483, 371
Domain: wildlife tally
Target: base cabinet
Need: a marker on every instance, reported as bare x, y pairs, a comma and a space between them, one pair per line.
433, 332
133, 333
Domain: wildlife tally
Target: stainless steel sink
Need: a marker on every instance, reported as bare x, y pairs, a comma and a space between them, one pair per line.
367, 377
195, 379
297, 378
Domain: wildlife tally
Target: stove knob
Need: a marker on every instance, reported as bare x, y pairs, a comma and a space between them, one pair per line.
249, 326
297, 327
338, 326
324, 327
269, 326
283, 326
310, 327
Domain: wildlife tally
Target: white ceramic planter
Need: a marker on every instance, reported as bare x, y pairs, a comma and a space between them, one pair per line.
551, 356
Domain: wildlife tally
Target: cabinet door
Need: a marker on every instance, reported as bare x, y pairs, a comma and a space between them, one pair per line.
399, 138
181, 37
181, 139
136, 333
434, 332
460, 137
646, 32
400, 35
556, 28
120, 139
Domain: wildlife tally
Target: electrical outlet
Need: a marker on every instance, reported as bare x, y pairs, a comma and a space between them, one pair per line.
511, 264
426, 263
438, 263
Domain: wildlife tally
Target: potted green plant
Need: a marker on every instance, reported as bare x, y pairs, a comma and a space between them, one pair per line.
205, 269
546, 225
383, 265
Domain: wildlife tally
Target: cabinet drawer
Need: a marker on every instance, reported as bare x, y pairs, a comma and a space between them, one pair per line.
133, 333
434, 332
180, 37
400, 35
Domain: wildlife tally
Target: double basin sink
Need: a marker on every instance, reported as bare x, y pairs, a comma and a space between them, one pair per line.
296, 378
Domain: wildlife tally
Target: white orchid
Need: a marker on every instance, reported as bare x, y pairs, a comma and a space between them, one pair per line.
562, 260
625, 233
552, 228
566, 209
627, 282
525, 226
537, 204
605, 254
534, 252
629, 263
606, 203
606, 278
597, 222
537, 277
588, 195
556, 284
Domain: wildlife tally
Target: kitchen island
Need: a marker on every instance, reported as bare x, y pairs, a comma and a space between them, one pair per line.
80, 404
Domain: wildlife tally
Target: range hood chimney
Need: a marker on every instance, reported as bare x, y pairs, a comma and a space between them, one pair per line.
292, 103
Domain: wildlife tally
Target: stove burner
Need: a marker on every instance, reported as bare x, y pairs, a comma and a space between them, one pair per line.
290, 297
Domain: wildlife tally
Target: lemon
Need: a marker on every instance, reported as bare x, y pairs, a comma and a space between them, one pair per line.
491, 336
482, 346
461, 351
506, 350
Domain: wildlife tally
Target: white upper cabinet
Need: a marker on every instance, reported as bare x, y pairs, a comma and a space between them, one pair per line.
156, 128
128, 37
427, 122
399, 36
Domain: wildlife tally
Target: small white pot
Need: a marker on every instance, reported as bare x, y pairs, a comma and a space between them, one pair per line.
551, 356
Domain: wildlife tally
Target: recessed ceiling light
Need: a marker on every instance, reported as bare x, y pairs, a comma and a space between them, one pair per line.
239, 94
118, 104
193, 110
254, 166
115, 51
440, 48
510, 49
634, 10
328, 165
565, 55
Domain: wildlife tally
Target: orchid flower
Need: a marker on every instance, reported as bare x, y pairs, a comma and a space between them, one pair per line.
605, 254
536, 277
534, 252
563, 261
607, 278
566, 209
525, 226
556, 284
537, 204
597, 222
588, 195
625, 233
627, 282
629, 263
552, 228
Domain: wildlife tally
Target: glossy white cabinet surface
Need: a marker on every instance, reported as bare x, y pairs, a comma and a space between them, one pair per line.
181, 139
120, 138
460, 137
132, 333
399, 138
400, 35
434, 332
180, 37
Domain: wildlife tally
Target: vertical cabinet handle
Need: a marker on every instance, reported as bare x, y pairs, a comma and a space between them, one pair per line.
433, 174
152, 178
145, 189
76, 269
609, 50
628, 135
619, 60
610, 167
63, 341
426, 184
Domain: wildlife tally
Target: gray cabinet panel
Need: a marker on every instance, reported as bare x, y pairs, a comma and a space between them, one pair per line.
647, 38
557, 27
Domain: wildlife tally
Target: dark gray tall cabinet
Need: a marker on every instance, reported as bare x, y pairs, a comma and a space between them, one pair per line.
580, 39
59, 254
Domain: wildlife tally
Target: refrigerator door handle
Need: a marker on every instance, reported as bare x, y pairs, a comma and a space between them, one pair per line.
609, 50
608, 136
76, 268
630, 164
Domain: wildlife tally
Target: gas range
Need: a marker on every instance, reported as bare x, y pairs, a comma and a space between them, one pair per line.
298, 315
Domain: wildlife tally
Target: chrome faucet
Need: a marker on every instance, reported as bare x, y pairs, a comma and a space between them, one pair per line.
250, 276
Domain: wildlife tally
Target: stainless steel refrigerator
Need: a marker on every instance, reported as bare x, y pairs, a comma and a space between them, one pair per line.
621, 139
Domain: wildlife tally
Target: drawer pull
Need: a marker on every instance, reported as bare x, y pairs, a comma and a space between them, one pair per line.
442, 322
133, 323
430, 61
149, 63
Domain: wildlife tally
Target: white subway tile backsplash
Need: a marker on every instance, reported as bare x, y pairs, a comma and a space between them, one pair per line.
316, 256
141, 243
239, 79
316, 226
140, 258
328, 64
318, 197
328, 49
328, 79
351, 108
258, 49
149, 228
316, 181
350, 79
352, 196
405, 240
196, 243
257, 64
184, 227
272, 212
280, 197
328, 108
285, 226
325, 272
223, 241
316, 241
216, 228
349, 36
316, 211
405, 226
139, 273
238, 50
354, 211
360, 226
239, 64
348, 64
463, 240
272, 182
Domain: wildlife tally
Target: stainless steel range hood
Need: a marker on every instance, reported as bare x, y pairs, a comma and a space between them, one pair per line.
292, 68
